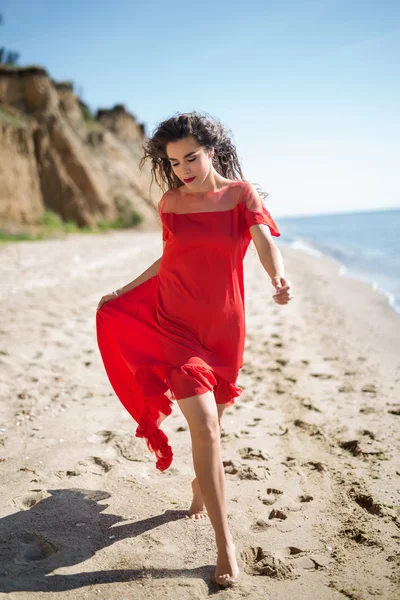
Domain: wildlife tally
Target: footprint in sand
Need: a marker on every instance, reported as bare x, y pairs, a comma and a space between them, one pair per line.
245, 472
352, 446
315, 465
310, 428
28, 500
73, 473
277, 514
260, 525
367, 503
293, 551
125, 444
252, 454
364, 448
271, 496
33, 547
93, 464
359, 536
258, 561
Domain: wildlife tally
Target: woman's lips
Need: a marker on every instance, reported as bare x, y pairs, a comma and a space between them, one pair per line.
189, 180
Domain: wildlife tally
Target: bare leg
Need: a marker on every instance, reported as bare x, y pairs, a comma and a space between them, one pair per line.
197, 510
202, 417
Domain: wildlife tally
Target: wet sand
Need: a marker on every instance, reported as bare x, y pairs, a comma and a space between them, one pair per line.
310, 448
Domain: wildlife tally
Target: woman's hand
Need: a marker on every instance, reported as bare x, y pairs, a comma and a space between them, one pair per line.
283, 290
105, 299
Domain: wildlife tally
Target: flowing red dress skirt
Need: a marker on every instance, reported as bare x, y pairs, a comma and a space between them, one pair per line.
182, 332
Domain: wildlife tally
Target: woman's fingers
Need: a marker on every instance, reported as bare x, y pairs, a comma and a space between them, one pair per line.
284, 288
100, 304
283, 298
105, 299
283, 292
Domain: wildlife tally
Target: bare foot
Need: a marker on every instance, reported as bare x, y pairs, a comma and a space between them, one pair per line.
227, 570
197, 509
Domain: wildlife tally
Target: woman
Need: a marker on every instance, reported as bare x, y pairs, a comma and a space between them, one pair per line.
177, 332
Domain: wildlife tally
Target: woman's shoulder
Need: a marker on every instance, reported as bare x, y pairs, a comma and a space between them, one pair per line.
232, 187
226, 184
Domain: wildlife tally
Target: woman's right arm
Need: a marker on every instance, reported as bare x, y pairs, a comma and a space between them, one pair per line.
145, 276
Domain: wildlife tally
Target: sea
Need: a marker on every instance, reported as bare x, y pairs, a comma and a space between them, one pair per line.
366, 245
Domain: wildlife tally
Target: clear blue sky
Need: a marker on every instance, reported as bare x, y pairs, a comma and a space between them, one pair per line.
309, 88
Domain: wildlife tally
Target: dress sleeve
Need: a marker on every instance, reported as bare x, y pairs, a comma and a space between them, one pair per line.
165, 230
255, 211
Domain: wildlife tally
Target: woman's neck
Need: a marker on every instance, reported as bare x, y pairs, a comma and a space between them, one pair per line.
212, 183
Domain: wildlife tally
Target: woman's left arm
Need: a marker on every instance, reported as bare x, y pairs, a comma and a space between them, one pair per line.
271, 259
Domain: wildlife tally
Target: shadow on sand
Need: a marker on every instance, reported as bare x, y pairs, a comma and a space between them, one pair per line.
36, 542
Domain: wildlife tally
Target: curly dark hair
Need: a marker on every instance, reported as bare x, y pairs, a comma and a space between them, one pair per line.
207, 131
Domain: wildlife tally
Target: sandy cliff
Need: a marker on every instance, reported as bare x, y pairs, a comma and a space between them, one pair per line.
54, 155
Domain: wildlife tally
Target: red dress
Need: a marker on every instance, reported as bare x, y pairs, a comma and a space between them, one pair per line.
182, 332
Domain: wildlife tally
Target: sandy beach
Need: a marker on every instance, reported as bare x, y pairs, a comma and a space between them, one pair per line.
310, 448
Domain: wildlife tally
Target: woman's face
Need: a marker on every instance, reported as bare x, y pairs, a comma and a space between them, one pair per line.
190, 161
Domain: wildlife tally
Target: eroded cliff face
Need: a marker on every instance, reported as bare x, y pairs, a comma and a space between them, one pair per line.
52, 156
20, 193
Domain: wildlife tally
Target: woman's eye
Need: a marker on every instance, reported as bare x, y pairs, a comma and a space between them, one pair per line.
189, 160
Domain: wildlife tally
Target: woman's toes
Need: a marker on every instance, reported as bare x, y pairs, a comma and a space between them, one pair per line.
198, 515
225, 580
226, 563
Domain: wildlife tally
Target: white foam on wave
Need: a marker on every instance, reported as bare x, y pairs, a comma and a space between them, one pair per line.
303, 246
390, 297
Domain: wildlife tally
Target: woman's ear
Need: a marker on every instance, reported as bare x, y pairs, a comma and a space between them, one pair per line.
211, 152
